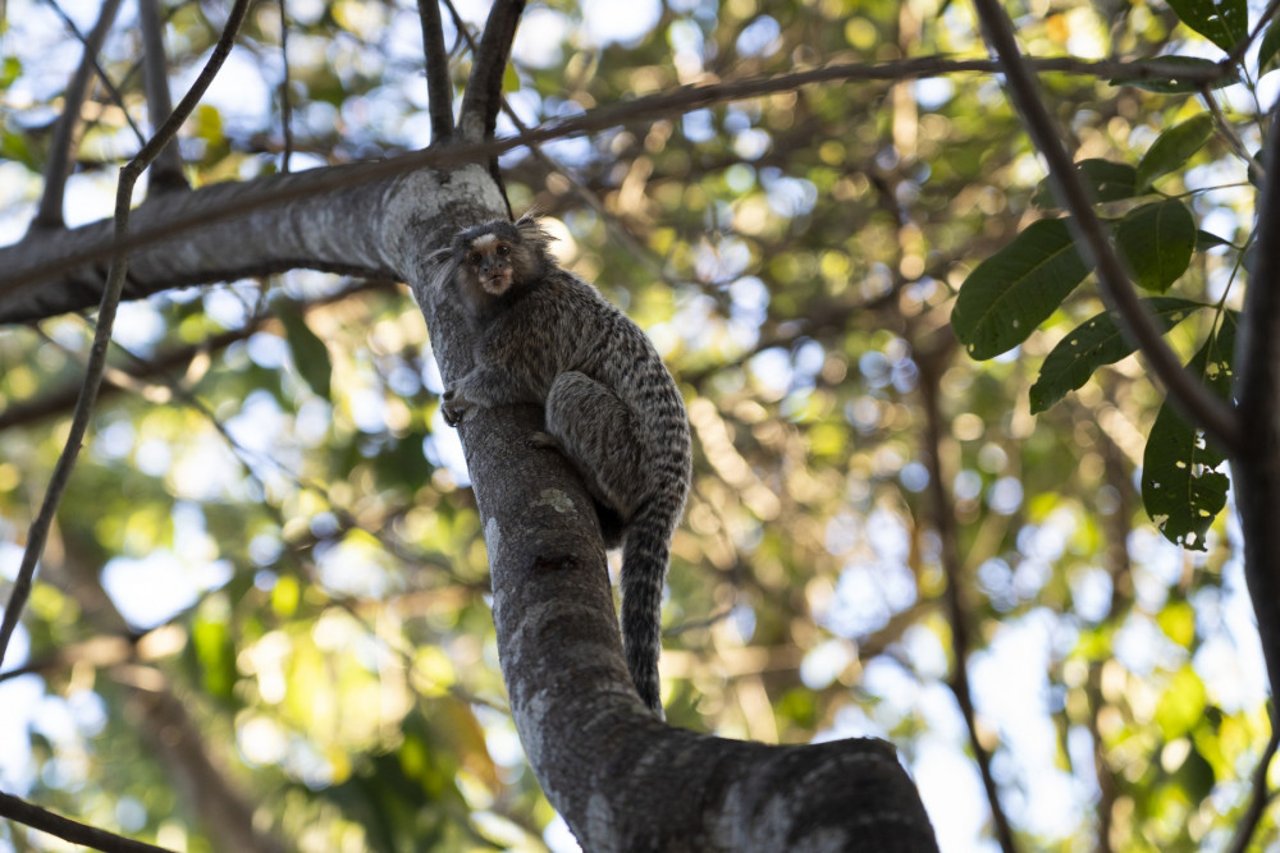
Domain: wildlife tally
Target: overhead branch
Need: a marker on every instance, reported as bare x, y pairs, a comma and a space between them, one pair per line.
187, 238
39, 530
20, 811
1187, 393
482, 98
49, 212
439, 83
1260, 796
167, 172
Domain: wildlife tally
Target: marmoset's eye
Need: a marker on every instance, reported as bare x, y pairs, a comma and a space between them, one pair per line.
503, 251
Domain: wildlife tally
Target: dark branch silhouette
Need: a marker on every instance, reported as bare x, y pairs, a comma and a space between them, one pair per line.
439, 83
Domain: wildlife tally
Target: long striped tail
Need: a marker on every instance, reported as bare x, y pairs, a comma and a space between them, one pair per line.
644, 566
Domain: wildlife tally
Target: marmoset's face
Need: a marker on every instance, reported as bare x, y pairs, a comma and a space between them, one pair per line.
489, 259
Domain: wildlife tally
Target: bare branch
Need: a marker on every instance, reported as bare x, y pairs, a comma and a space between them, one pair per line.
49, 214
931, 365
39, 530
1192, 399
167, 172
439, 83
69, 253
1255, 466
286, 97
483, 95
21, 811
1259, 796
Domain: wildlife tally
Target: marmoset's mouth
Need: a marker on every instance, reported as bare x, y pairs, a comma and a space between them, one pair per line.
497, 285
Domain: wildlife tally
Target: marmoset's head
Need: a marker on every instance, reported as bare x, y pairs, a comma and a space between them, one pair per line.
500, 257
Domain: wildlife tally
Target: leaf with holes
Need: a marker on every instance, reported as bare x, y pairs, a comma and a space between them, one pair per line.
310, 355
1157, 240
1223, 22
1107, 180
1092, 344
1016, 289
1182, 489
1173, 148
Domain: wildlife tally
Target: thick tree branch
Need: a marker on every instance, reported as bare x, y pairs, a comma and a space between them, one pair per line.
1192, 398
604, 762
167, 171
439, 83
25, 813
482, 98
39, 530
1255, 466
931, 364
49, 213
187, 237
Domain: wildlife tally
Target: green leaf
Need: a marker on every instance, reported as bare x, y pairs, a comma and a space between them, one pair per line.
1173, 148
10, 68
1223, 22
1206, 241
1182, 490
1157, 240
1267, 52
1092, 344
1107, 180
310, 355
1181, 705
1142, 75
1016, 289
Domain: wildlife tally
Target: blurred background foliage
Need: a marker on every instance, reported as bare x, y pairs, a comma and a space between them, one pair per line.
271, 524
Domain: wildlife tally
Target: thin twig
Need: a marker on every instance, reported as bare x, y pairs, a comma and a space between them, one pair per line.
286, 97
648, 108
1190, 396
480, 100
49, 213
167, 172
21, 811
439, 83
1237, 53
943, 511
1256, 173
129, 175
1260, 795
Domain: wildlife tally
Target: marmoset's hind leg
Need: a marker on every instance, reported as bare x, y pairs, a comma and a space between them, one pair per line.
597, 432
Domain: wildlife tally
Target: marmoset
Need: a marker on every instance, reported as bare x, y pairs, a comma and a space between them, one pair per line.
542, 335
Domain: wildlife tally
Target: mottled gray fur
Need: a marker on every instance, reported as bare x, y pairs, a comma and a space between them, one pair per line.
544, 336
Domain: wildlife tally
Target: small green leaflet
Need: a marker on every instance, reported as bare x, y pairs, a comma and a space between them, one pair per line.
1096, 342
1206, 241
1107, 180
1204, 72
1173, 148
1016, 289
310, 355
1182, 489
1157, 240
1223, 22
